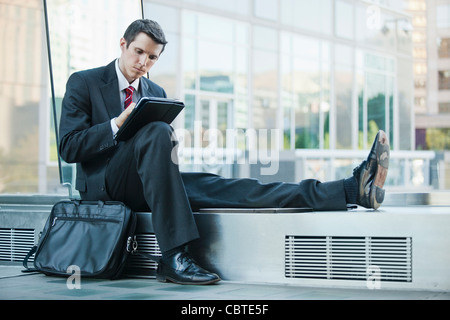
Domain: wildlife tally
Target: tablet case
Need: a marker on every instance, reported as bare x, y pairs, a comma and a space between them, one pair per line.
149, 109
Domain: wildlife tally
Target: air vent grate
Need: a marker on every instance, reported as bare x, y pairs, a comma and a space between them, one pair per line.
15, 243
141, 266
348, 258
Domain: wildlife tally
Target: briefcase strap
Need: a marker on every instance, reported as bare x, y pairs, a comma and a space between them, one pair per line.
25, 261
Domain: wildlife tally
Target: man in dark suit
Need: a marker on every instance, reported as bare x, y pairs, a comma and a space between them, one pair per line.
141, 172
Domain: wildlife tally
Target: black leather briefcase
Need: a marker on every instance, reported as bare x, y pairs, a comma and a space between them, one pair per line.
94, 236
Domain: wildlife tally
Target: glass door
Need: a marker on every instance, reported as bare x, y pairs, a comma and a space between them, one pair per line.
80, 35
213, 118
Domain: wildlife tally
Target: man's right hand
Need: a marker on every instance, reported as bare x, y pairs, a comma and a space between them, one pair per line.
124, 115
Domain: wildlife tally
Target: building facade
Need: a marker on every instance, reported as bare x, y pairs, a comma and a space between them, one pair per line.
431, 19
299, 88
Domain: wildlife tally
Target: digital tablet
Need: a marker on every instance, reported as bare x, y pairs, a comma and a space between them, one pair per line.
149, 109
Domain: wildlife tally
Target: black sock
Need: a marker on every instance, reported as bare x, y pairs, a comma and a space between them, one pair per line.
351, 190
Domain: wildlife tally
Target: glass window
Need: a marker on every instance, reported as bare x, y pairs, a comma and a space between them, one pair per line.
83, 34
215, 70
405, 93
236, 6
343, 84
241, 34
241, 72
375, 87
189, 114
443, 15
22, 166
344, 27
267, 9
167, 17
374, 26
265, 78
165, 72
189, 23
307, 95
214, 28
265, 84
306, 47
309, 15
215, 66
287, 101
444, 48
444, 107
444, 80
376, 105
305, 91
189, 62
405, 36
265, 38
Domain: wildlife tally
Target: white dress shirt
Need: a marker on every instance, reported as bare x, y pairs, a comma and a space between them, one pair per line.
123, 84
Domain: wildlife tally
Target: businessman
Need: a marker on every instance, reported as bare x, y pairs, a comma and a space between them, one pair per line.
141, 172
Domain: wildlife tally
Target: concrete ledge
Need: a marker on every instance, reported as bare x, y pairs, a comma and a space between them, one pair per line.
252, 246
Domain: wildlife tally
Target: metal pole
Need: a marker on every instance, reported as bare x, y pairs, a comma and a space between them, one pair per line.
52, 88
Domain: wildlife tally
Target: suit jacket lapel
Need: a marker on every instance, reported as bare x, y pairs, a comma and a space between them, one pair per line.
144, 87
110, 91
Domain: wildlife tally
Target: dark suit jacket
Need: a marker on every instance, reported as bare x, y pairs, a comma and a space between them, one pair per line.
91, 100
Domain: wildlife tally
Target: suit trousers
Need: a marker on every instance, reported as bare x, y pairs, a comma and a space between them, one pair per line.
143, 173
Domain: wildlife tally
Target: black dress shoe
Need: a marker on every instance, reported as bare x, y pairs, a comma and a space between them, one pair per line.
182, 269
371, 173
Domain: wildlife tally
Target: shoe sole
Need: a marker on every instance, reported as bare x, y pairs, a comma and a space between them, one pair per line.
383, 155
168, 279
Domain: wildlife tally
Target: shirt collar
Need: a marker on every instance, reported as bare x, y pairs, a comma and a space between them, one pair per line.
123, 82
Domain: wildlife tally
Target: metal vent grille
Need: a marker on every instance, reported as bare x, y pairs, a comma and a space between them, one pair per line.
141, 266
15, 244
349, 258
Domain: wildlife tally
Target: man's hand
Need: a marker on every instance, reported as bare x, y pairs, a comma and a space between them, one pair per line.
124, 115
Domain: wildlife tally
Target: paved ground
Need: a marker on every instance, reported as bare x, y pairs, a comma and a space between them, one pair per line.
15, 285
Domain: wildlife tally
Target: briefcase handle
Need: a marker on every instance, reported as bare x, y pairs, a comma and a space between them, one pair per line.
77, 203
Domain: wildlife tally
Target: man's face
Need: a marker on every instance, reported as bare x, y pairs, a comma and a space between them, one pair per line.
141, 54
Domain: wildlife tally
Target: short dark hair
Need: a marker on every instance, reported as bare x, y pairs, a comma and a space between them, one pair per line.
149, 27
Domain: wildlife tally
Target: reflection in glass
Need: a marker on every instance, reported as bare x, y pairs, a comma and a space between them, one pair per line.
375, 97
216, 67
313, 16
209, 27
265, 83
307, 93
344, 20
305, 79
266, 9
85, 35
234, 6
375, 105
405, 93
166, 71
343, 84
189, 62
189, 112
25, 165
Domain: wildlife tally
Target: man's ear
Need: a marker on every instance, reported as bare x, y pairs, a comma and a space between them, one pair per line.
123, 44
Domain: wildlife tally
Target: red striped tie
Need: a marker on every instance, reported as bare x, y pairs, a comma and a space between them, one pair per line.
129, 96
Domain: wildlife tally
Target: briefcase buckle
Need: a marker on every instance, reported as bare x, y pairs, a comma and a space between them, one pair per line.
132, 245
